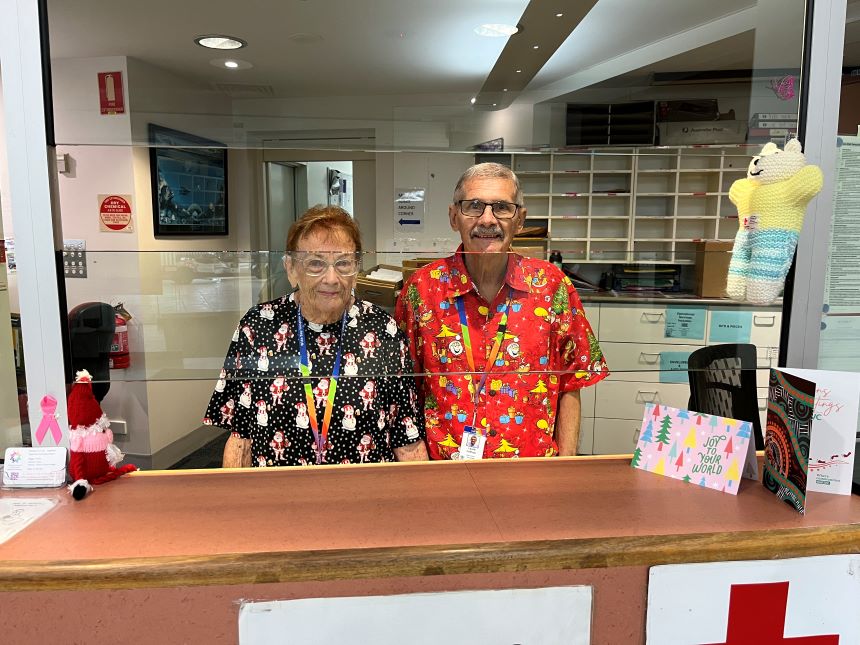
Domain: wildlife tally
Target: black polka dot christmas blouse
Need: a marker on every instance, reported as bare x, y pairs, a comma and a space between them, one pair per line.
260, 391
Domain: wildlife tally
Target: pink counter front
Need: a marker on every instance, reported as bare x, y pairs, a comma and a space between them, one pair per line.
168, 557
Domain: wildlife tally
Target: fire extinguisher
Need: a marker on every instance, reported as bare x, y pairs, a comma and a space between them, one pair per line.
119, 357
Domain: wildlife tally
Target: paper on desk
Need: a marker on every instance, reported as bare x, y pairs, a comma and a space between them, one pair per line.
385, 275
18, 513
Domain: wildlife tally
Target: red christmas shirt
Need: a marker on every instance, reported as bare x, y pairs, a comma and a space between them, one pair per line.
548, 349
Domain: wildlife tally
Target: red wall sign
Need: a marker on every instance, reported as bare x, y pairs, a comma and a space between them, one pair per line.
111, 95
115, 212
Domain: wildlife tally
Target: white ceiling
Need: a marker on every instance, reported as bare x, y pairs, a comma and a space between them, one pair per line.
404, 47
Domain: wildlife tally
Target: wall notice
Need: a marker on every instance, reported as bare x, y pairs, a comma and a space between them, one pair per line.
111, 94
409, 209
115, 213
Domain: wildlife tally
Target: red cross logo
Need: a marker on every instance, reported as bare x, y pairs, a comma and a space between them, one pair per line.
757, 615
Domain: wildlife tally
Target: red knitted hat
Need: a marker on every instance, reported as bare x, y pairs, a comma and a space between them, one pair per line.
84, 409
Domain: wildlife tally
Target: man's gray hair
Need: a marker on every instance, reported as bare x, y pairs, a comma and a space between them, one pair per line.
485, 171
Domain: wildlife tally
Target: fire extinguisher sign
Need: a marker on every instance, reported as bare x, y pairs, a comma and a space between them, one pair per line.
115, 213
111, 95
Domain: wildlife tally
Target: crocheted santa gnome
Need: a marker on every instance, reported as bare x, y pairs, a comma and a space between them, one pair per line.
93, 455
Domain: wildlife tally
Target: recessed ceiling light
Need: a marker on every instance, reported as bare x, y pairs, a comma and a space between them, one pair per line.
559, 15
230, 63
505, 89
535, 46
215, 41
519, 71
496, 30
472, 100
495, 104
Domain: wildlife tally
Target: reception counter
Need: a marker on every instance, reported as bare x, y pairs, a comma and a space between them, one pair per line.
169, 556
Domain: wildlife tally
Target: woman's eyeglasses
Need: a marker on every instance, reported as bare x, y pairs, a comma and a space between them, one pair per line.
476, 208
313, 264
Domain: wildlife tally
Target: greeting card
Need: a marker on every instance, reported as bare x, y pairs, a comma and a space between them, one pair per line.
832, 447
707, 450
790, 407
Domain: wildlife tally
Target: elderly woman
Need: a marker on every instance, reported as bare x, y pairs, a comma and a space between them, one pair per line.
317, 377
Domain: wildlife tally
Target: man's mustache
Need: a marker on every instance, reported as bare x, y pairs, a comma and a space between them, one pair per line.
489, 230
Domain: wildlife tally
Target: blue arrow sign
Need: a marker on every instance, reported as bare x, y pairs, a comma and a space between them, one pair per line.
409, 221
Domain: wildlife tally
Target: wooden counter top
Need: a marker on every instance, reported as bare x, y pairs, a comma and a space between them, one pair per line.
178, 528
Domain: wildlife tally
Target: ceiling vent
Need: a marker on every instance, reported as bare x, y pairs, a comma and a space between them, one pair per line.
244, 91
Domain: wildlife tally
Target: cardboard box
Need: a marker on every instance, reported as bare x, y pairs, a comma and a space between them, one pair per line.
683, 133
411, 266
712, 267
530, 251
378, 292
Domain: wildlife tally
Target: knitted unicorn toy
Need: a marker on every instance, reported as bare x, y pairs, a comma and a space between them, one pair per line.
771, 202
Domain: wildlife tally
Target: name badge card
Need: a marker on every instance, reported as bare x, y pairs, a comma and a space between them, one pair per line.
472, 444
34, 467
704, 449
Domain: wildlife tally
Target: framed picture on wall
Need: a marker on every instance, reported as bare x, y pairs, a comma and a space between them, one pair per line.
189, 183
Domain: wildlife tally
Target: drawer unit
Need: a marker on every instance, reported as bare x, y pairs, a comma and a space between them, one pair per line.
627, 399
637, 324
616, 436
638, 362
632, 337
766, 326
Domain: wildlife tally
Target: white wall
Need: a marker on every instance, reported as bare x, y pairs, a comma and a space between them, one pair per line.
161, 97
437, 173
77, 117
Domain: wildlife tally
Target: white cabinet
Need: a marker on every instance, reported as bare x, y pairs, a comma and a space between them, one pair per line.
633, 338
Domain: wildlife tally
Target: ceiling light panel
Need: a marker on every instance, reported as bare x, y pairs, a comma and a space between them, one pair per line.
220, 42
496, 30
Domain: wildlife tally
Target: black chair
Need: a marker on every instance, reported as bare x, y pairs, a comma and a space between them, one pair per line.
91, 329
723, 383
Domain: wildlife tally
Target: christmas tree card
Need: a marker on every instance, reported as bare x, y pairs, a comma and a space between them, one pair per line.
790, 409
707, 450
832, 447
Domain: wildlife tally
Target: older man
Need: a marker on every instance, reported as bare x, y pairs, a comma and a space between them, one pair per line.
502, 339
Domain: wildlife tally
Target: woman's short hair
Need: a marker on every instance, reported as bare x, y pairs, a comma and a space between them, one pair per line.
488, 170
332, 220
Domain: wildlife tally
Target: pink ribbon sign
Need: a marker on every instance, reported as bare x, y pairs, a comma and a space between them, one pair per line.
49, 420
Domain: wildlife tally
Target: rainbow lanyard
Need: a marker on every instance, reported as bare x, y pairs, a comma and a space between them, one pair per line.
494, 352
320, 438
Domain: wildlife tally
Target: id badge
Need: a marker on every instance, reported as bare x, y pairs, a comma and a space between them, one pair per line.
472, 444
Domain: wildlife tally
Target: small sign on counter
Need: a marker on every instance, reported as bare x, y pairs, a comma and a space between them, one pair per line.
34, 467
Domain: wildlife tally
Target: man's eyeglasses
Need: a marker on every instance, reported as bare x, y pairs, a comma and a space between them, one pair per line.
314, 265
476, 208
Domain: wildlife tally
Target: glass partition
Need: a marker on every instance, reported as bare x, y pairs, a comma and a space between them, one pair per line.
13, 408
182, 175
